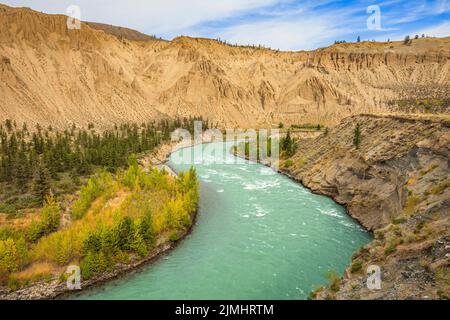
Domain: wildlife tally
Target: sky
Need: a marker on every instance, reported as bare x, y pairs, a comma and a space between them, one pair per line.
279, 24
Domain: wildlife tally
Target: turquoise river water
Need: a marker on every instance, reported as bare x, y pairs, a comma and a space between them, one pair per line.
258, 235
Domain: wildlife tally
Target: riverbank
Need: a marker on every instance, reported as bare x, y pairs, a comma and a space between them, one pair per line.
396, 185
253, 239
56, 287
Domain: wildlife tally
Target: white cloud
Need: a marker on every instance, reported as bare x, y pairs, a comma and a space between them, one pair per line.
151, 16
305, 33
282, 24
440, 30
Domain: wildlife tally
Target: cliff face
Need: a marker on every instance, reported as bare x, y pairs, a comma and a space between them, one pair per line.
397, 184
99, 74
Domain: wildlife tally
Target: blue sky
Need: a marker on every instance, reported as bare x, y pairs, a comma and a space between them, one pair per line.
280, 24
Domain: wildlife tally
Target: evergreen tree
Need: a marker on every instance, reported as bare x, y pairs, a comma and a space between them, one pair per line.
22, 172
41, 183
407, 40
287, 141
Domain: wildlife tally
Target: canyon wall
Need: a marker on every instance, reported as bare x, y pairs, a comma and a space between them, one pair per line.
396, 184
105, 75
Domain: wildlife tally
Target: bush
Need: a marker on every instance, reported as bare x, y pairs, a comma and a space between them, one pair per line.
288, 163
48, 221
334, 280
10, 233
411, 204
13, 283
390, 249
440, 188
9, 209
400, 220
174, 236
356, 266
13, 255
95, 186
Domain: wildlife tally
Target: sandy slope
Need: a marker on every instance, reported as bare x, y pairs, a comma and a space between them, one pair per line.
53, 75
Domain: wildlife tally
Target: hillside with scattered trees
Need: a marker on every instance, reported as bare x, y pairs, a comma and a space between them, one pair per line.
80, 197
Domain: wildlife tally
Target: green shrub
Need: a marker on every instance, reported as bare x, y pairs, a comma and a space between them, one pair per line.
390, 249
48, 221
288, 163
440, 188
356, 266
411, 204
334, 280
313, 294
419, 226
400, 220
88, 193
9, 209
10, 233
174, 236
13, 283
13, 255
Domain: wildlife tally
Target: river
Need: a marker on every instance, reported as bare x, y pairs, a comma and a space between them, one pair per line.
258, 235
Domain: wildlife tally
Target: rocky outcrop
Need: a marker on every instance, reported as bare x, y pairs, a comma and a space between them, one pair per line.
396, 184
105, 75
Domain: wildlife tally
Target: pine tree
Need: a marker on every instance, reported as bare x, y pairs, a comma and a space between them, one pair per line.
41, 183
287, 141
125, 233
22, 172
406, 40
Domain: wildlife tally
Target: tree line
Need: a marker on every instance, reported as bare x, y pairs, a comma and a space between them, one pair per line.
30, 160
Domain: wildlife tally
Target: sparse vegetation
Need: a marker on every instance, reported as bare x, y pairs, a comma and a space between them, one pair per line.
288, 163
288, 145
356, 266
334, 280
48, 221
307, 126
390, 249
399, 220
314, 294
411, 203
441, 187
427, 106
